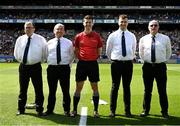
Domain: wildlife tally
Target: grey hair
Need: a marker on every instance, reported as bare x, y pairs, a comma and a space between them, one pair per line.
58, 25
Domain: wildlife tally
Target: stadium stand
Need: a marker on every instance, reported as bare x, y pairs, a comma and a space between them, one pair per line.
92, 2
13, 17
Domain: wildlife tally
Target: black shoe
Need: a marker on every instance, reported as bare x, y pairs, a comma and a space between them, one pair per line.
66, 113
128, 114
165, 115
20, 112
112, 115
96, 114
73, 113
48, 113
144, 114
41, 114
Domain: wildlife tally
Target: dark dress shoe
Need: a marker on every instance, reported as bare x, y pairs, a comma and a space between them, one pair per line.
48, 113
41, 114
128, 114
19, 112
73, 114
165, 115
66, 113
96, 114
112, 115
144, 114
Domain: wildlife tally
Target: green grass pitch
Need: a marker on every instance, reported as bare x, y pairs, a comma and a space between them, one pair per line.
9, 89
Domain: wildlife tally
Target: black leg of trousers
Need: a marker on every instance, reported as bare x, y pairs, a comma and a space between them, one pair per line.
52, 77
65, 86
24, 82
116, 76
161, 79
126, 81
36, 77
148, 79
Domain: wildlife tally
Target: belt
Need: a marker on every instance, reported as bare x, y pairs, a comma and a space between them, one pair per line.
88, 61
36, 64
60, 65
32, 66
154, 64
122, 61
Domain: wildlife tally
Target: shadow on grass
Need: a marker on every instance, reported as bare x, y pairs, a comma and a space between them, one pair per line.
135, 120
58, 118
106, 120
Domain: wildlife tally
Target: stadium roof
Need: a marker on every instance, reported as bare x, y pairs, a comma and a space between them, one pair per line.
92, 2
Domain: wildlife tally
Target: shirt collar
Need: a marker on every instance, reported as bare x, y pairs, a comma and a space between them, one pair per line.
59, 38
122, 31
156, 35
87, 34
32, 36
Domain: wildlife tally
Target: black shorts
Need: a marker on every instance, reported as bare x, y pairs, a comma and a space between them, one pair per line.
88, 69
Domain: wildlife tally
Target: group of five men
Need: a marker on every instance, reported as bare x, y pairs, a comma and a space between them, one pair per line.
31, 49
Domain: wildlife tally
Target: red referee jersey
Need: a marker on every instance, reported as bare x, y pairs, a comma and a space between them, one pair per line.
88, 45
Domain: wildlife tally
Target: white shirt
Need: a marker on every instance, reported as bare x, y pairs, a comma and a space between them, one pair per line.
162, 48
114, 48
67, 51
37, 49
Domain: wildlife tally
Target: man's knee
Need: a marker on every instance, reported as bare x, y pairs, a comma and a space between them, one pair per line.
79, 86
94, 86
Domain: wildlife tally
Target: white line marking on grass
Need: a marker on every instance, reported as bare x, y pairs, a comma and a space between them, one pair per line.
83, 118
101, 102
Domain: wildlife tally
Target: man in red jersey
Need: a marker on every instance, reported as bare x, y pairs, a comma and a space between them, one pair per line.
88, 46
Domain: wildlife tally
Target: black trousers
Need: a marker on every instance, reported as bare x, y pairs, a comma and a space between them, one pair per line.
120, 69
61, 73
35, 73
157, 72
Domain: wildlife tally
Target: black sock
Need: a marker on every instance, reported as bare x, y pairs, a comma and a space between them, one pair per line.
75, 102
96, 102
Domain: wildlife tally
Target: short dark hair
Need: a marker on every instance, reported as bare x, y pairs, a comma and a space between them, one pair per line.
123, 16
88, 17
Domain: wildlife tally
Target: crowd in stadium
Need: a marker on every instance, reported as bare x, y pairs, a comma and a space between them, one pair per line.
8, 38
92, 2
79, 15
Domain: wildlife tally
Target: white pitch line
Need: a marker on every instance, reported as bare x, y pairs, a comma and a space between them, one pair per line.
83, 118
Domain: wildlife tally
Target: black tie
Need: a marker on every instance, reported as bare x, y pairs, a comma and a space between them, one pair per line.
123, 45
153, 57
26, 51
58, 51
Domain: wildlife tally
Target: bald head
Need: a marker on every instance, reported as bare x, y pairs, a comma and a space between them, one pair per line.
153, 27
153, 22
